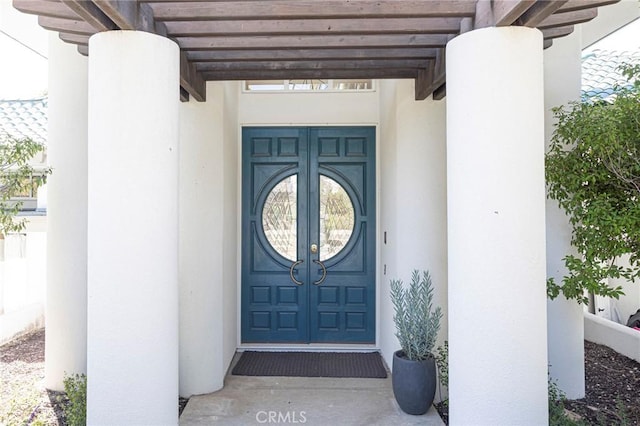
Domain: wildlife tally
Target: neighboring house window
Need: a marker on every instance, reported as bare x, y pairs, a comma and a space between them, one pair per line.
308, 85
29, 197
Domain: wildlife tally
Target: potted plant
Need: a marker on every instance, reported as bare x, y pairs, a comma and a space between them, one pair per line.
417, 325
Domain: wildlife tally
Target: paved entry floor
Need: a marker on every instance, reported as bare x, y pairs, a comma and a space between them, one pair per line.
322, 401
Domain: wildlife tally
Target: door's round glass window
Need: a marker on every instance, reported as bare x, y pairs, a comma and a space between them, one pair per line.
279, 217
337, 218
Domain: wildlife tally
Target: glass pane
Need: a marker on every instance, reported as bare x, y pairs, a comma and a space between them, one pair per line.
308, 85
337, 218
279, 217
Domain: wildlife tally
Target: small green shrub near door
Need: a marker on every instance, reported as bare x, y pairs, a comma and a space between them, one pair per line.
75, 386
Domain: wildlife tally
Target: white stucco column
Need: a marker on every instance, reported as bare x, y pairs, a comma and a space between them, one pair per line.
66, 296
496, 228
565, 327
132, 353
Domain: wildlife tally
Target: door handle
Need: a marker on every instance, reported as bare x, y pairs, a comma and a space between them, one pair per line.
291, 272
324, 272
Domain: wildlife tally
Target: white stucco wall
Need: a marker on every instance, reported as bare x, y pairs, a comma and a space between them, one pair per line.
23, 278
299, 109
413, 199
208, 167
230, 223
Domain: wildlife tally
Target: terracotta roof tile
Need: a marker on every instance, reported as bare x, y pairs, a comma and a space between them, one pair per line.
25, 118
601, 75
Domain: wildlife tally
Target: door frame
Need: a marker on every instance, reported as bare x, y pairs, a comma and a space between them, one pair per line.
378, 272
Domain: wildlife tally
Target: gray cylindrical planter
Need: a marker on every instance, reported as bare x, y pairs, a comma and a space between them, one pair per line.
414, 383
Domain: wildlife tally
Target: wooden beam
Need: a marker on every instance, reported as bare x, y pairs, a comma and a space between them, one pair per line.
308, 74
573, 5
45, 8
568, 18
66, 25
440, 93
438, 77
423, 80
309, 54
432, 79
125, 14
313, 65
91, 14
305, 9
499, 13
314, 27
539, 12
557, 32
74, 38
191, 80
300, 42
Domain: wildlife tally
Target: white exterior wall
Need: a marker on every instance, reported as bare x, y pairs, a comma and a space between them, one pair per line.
301, 109
231, 225
133, 229
413, 198
23, 279
66, 300
565, 329
208, 167
496, 223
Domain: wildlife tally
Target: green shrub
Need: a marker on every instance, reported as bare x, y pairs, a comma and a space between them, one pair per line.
557, 413
75, 411
442, 362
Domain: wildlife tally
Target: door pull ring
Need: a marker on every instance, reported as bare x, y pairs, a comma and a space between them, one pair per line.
324, 272
291, 272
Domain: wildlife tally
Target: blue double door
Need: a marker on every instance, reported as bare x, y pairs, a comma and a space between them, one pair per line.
308, 235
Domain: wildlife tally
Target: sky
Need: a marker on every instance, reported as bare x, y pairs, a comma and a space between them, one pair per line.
23, 70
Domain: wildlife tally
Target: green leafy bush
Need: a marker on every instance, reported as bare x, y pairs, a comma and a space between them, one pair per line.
593, 171
75, 387
17, 177
417, 323
442, 362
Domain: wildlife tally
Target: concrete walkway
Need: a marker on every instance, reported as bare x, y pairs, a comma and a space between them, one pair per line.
301, 400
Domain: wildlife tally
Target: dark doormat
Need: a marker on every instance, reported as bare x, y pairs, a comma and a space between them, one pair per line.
311, 364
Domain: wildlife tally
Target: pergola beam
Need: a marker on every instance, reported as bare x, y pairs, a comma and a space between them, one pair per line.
200, 56
45, 8
282, 39
309, 74
307, 41
248, 28
303, 9
568, 18
91, 13
69, 26
573, 5
500, 13
539, 12
312, 65
429, 79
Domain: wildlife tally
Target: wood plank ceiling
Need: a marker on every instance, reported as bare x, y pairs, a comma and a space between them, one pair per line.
315, 39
